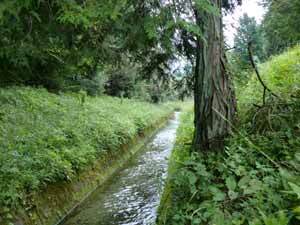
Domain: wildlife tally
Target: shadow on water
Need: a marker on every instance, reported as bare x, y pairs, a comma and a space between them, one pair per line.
132, 196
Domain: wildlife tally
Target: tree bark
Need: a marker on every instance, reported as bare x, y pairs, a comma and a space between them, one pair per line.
214, 94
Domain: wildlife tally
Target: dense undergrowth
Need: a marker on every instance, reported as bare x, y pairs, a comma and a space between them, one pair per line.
256, 180
47, 138
281, 74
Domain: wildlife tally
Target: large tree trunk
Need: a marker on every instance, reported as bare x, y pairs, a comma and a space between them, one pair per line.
214, 96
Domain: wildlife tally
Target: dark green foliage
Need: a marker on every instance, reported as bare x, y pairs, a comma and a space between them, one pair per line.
122, 80
231, 4
248, 31
126, 80
45, 41
281, 25
69, 45
47, 138
184, 83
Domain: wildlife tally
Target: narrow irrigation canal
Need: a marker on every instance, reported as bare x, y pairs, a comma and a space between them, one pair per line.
132, 196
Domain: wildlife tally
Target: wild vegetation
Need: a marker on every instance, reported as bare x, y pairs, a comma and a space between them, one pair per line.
115, 47
282, 75
46, 138
280, 25
237, 162
256, 179
275, 34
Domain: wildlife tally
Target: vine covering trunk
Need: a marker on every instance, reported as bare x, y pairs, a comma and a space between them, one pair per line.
214, 95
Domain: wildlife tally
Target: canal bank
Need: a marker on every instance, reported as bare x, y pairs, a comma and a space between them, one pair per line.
133, 194
58, 200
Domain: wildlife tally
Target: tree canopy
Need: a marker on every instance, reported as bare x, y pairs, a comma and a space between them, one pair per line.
59, 44
281, 25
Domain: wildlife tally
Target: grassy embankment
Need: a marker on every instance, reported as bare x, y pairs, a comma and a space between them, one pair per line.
47, 138
256, 181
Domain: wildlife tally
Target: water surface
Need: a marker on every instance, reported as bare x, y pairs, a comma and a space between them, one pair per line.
132, 196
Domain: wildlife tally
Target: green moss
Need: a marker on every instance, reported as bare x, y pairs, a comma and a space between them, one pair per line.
180, 153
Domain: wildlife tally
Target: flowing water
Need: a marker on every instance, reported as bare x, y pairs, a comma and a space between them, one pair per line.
132, 196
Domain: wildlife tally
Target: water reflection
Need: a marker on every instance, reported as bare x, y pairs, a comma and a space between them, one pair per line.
132, 196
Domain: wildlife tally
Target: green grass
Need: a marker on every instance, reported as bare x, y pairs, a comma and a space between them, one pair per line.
180, 153
47, 138
281, 74
256, 181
